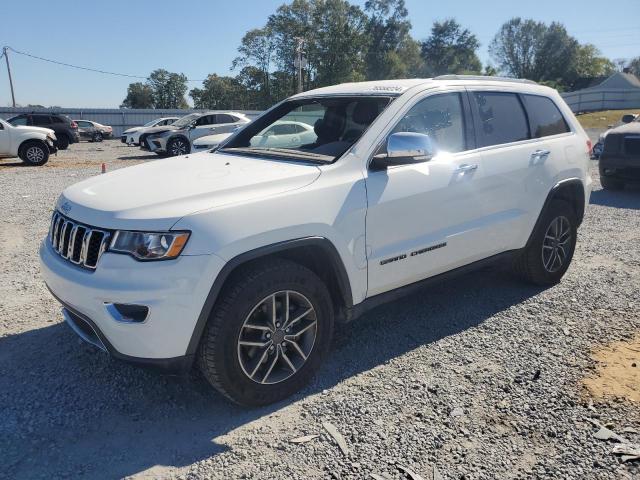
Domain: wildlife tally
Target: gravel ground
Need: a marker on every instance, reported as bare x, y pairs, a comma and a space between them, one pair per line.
477, 378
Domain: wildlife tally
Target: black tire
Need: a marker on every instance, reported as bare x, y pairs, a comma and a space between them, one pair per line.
219, 355
178, 146
34, 153
611, 184
534, 264
97, 137
62, 142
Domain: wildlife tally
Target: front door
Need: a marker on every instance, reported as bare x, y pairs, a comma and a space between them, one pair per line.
5, 140
425, 219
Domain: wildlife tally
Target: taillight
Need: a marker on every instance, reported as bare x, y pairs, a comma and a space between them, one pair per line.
589, 147
74, 124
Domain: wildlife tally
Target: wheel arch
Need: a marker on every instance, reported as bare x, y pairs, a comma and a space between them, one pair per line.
572, 191
26, 141
316, 253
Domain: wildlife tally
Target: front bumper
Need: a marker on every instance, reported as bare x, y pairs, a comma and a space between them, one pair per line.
155, 144
620, 167
174, 291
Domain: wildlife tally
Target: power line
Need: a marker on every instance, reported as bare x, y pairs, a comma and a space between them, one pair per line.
84, 68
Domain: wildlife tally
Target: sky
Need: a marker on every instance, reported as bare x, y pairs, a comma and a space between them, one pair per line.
198, 37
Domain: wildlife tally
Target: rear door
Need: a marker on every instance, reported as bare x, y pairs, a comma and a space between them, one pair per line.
518, 158
225, 123
85, 129
205, 125
5, 140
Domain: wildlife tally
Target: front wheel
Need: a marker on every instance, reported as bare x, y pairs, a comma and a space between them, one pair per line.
62, 142
178, 146
549, 253
97, 137
34, 153
267, 334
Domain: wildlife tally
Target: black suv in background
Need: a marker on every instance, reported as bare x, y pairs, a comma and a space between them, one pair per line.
65, 128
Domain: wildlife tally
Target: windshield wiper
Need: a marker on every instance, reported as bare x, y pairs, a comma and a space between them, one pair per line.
280, 152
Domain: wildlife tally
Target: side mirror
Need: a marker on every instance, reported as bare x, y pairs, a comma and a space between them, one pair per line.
404, 148
191, 126
628, 118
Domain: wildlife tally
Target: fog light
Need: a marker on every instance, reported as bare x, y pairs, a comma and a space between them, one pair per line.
128, 313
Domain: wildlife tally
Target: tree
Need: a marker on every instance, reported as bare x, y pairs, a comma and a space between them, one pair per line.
168, 89
515, 46
546, 54
139, 95
256, 52
450, 49
390, 50
221, 93
634, 66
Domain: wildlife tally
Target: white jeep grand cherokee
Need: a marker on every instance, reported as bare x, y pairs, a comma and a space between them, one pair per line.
241, 260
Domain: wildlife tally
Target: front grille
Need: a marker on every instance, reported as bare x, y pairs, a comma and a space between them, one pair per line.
632, 145
80, 244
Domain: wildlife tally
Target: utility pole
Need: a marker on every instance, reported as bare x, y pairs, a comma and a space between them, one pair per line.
5, 50
298, 62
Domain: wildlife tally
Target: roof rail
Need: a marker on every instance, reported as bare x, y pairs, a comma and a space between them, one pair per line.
484, 77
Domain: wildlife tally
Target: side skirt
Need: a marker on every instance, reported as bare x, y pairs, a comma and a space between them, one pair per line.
370, 303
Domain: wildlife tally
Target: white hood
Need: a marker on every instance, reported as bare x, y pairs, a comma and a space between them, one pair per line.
36, 129
155, 195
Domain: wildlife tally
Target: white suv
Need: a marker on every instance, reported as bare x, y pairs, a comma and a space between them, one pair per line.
32, 144
242, 259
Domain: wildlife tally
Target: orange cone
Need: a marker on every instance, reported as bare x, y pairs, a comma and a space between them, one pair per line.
104, 168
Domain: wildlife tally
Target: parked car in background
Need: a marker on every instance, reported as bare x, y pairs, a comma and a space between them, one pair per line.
242, 261
620, 159
131, 136
284, 134
176, 139
599, 146
209, 141
66, 129
105, 130
88, 131
32, 145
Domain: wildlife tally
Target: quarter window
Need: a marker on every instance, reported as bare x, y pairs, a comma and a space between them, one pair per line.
224, 118
501, 118
441, 118
545, 117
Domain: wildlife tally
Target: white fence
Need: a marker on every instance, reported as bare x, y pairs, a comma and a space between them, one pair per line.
598, 99
119, 119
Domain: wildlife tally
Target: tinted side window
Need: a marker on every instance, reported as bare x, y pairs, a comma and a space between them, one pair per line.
18, 121
502, 118
55, 119
41, 120
224, 118
545, 117
440, 117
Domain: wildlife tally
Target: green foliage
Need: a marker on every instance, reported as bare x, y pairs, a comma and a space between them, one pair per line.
546, 54
219, 93
139, 95
168, 89
634, 66
450, 49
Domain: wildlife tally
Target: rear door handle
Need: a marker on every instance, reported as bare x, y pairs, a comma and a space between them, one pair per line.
465, 167
540, 154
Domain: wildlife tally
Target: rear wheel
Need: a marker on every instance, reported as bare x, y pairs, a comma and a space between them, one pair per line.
267, 334
611, 184
178, 146
549, 253
97, 137
34, 153
62, 142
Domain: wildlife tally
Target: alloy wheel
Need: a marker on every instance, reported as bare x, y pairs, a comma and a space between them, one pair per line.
178, 147
277, 337
556, 244
35, 154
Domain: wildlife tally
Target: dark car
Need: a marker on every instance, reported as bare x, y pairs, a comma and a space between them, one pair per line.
65, 128
620, 159
88, 131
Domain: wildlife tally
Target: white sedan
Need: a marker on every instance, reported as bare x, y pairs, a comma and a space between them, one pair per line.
285, 134
132, 135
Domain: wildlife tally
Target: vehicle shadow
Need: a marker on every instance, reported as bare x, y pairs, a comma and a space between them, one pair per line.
140, 157
71, 411
627, 198
19, 163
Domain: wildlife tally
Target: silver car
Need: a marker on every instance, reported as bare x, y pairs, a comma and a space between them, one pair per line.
177, 138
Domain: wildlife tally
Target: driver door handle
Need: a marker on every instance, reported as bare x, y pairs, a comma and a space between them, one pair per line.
540, 154
465, 167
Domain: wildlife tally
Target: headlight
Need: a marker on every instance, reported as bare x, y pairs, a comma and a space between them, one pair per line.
149, 245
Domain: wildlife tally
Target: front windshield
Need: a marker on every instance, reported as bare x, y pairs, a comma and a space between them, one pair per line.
313, 129
186, 120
